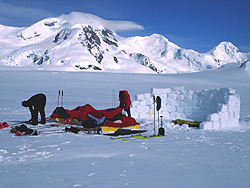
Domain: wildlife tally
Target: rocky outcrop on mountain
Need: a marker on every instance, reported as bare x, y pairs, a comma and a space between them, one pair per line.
144, 60
62, 35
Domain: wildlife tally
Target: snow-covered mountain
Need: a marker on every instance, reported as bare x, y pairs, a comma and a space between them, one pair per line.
80, 41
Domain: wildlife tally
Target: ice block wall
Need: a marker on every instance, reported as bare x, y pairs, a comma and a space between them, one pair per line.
216, 108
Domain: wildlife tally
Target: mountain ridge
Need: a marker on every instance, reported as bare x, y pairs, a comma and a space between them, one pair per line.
81, 41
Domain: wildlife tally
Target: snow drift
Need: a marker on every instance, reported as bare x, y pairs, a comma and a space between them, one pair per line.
216, 108
80, 42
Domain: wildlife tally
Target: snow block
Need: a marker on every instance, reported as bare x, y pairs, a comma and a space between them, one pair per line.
216, 108
206, 125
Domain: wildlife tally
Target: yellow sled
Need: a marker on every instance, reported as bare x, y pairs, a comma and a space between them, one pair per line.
113, 129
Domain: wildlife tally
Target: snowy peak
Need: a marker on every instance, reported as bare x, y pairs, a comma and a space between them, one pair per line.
227, 52
80, 41
47, 27
227, 47
39, 31
156, 45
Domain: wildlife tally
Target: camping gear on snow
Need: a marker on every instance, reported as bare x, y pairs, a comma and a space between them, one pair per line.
58, 100
189, 123
161, 129
105, 119
154, 112
125, 101
23, 130
4, 125
157, 100
63, 116
109, 120
158, 107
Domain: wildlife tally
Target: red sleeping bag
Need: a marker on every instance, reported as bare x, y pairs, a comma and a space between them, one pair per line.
81, 113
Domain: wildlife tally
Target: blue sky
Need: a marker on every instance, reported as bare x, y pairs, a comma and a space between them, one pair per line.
192, 24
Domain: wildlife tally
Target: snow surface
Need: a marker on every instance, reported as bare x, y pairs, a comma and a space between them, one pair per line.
190, 158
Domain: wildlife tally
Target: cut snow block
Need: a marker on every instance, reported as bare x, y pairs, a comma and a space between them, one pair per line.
147, 95
171, 102
164, 97
213, 117
181, 88
172, 96
187, 109
224, 123
157, 91
143, 103
170, 108
222, 108
216, 125
139, 97
149, 102
206, 125
180, 109
180, 98
223, 116
167, 90
135, 103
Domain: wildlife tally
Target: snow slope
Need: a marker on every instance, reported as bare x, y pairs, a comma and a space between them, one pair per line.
80, 42
190, 158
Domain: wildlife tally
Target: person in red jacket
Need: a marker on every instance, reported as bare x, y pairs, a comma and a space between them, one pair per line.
125, 101
36, 104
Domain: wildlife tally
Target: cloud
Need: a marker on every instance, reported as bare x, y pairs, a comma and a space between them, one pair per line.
122, 25
15, 15
11, 14
114, 25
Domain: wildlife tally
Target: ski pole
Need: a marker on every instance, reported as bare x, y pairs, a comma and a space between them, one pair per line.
58, 98
158, 107
62, 99
154, 114
158, 120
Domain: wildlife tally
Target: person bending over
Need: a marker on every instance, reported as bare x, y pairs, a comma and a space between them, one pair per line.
36, 104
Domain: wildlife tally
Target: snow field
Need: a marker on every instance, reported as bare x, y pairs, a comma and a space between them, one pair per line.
216, 108
186, 157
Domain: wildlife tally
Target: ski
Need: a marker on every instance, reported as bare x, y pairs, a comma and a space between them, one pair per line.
127, 137
141, 137
122, 131
17, 123
46, 125
36, 133
144, 137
